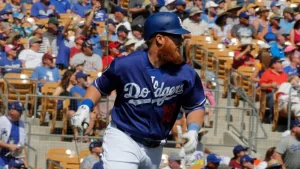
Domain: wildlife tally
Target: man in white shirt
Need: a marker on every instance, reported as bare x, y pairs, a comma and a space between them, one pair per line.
93, 62
31, 57
169, 6
120, 14
196, 26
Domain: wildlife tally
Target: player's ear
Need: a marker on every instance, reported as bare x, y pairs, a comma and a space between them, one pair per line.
160, 40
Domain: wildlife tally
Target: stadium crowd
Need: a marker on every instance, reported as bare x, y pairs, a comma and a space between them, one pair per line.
65, 41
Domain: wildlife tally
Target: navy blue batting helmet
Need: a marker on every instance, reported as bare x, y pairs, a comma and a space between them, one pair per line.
163, 22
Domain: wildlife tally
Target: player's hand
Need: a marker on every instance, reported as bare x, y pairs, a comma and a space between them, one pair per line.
192, 140
81, 118
13, 147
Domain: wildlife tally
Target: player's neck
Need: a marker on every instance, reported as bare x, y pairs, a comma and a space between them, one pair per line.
153, 58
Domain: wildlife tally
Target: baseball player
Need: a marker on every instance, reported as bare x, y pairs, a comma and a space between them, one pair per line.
151, 88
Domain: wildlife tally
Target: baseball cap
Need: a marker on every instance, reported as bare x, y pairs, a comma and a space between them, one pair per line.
122, 28
289, 49
81, 74
9, 48
16, 105
244, 15
276, 60
238, 148
80, 37
274, 3
88, 44
137, 28
53, 20
35, 40
246, 158
120, 9
273, 164
295, 123
195, 11
94, 143
113, 45
174, 157
210, 4
167, 2
213, 158
288, 10
129, 42
111, 21
18, 15
180, 2
47, 56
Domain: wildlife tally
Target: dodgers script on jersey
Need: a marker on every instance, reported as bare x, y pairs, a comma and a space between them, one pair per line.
147, 105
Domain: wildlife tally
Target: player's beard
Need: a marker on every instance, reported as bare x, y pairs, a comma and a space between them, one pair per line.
169, 53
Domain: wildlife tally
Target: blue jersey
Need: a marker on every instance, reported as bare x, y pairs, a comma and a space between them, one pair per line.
10, 65
149, 99
80, 9
100, 16
61, 6
291, 71
49, 74
76, 90
63, 54
40, 11
12, 8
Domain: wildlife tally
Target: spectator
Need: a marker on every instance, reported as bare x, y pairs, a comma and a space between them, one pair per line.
174, 161
250, 9
13, 135
272, 78
138, 33
289, 51
295, 33
287, 23
210, 99
5, 30
239, 151
14, 6
269, 32
262, 21
64, 44
113, 52
94, 38
122, 33
210, 14
292, 69
18, 20
61, 6
275, 9
96, 151
37, 32
213, 161
180, 9
288, 92
100, 14
277, 47
287, 151
220, 29
93, 61
274, 164
51, 35
233, 18
111, 28
269, 157
243, 57
244, 29
247, 162
78, 45
129, 46
30, 57
47, 72
80, 8
140, 10
120, 14
11, 61
42, 9
14, 39
198, 4
221, 6
169, 6
195, 24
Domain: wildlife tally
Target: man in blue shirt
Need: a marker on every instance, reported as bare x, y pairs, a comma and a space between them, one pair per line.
277, 48
287, 23
11, 61
292, 69
81, 7
61, 6
47, 72
12, 136
80, 89
42, 9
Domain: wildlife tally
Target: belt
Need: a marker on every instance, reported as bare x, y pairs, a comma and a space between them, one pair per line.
144, 141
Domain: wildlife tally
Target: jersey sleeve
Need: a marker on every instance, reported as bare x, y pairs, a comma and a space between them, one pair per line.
107, 82
282, 146
194, 98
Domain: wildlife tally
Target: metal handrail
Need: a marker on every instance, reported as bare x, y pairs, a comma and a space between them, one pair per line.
48, 161
35, 155
13, 88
